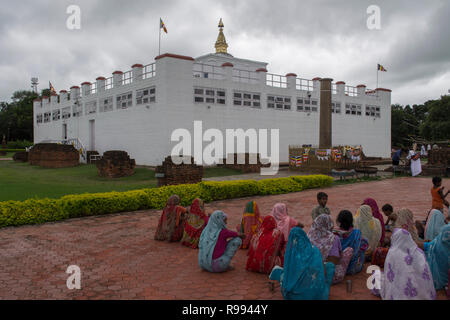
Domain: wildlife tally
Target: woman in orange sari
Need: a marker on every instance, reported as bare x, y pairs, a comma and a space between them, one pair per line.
196, 221
251, 221
171, 223
265, 250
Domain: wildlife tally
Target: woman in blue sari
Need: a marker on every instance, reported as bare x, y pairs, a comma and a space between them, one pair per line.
438, 257
351, 238
215, 248
303, 276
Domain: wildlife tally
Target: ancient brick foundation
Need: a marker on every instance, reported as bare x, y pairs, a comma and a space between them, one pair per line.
115, 164
439, 157
53, 155
21, 156
171, 174
246, 167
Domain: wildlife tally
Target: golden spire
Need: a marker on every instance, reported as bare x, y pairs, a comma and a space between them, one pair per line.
221, 43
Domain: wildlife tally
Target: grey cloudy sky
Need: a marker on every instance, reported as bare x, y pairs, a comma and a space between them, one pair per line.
325, 38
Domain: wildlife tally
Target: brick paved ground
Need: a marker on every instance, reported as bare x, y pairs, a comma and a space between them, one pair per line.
120, 260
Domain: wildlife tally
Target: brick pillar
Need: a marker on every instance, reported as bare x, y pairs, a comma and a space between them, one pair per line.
325, 114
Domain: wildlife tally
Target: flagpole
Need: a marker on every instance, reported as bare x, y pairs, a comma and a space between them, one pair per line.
159, 47
377, 81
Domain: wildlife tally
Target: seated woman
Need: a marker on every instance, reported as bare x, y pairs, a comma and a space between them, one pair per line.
329, 244
438, 257
171, 222
304, 276
284, 222
406, 274
405, 220
379, 254
370, 228
251, 221
265, 249
195, 222
216, 248
436, 221
351, 238
376, 214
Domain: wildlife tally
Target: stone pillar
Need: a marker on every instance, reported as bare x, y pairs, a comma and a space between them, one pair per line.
53, 98
340, 88
100, 84
117, 78
86, 88
63, 96
262, 77
325, 114
291, 79
361, 90
316, 84
137, 71
74, 92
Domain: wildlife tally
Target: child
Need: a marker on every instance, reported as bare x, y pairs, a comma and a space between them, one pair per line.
321, 208
437, 195
388, 211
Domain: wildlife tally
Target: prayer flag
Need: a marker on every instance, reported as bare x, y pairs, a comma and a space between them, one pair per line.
381, 68
162, 25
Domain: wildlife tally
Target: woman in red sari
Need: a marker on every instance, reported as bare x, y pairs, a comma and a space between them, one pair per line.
196, 221
265, 250
171, 223
251, 222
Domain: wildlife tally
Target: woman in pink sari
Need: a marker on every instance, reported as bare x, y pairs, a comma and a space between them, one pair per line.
171, 223
250, 224
321, 235
376, 214
284, 222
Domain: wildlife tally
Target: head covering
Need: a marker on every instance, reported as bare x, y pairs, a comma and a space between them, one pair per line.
353, 239
303, 274
376, 213
321, 234
406, 275
284, 222
405, 220
209, 237
265, 247
171, 222
250, 223
438, 258
194, 224
369, 226
435, 223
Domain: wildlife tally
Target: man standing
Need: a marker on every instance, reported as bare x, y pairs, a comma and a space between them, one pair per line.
416, 166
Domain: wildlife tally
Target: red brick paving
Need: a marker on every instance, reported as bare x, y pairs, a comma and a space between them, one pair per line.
120, 260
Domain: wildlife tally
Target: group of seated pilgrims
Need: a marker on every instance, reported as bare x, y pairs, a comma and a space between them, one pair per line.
415, 264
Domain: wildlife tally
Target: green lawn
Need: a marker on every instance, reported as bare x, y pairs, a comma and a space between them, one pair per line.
8, 155
20, 181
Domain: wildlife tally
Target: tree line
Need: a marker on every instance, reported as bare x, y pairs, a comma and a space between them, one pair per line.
428, 122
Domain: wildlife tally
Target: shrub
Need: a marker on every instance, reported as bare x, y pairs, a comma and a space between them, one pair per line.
32, 211
18, 144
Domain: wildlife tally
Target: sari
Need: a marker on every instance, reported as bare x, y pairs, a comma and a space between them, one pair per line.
405, 220
324, 239
284, 222
376, 213
438, 257
434, 225
265, 248
251, 221
303, 277
354, 239
208, 239
406, 274
195, 222
171, 222
369, 226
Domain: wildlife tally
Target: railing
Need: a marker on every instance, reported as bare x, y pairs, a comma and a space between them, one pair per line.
333, 88
127, 77
93, 88
277, 81
245, 76
200, 70
75, 142
109, 83
149, 71
304, 84
351, 91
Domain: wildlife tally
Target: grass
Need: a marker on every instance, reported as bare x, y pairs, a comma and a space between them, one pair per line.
8, 155
20, 181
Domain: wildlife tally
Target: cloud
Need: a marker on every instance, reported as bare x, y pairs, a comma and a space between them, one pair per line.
310, 38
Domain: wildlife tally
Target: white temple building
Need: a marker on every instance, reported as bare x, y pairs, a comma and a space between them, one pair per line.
137, 110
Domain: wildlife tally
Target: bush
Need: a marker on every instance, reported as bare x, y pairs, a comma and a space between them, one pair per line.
19, 144
32, 211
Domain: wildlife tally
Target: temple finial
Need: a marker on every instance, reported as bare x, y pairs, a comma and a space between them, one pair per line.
221, 44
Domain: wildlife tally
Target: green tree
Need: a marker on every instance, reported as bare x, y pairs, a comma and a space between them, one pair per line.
437, 124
